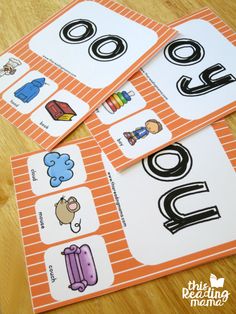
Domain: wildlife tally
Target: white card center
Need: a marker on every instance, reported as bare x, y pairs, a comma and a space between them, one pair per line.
76, 43
210, 48
139, 193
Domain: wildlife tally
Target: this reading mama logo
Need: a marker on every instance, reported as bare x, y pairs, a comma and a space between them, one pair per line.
202, 294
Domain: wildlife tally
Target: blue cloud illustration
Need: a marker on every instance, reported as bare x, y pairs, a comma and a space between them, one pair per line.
59, 168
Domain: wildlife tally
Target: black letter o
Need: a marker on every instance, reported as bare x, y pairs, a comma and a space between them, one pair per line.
179, 171
96, 46
171, 49
90, 31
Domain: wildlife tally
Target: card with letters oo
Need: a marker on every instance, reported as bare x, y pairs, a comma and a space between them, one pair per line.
188, 85
89, 230
53, 78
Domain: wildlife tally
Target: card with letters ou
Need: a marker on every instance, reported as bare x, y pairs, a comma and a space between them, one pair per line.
89, 230
189, 84
53, 78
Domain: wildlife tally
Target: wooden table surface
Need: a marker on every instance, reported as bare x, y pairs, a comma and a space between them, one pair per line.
18, 17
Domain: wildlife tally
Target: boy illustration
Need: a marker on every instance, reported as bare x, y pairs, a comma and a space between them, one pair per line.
151, 126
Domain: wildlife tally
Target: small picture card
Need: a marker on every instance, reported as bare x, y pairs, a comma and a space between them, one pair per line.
89, 230
188, 85
56, 76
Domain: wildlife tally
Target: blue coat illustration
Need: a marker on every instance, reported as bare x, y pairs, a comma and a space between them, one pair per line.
30, 90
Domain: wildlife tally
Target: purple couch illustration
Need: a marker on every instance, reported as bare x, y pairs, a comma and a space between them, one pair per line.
80, 266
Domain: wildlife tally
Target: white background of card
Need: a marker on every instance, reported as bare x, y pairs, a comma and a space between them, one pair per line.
137, 103
93, 73
45, 91
53, 231
58, 128
217, 50
42, 186
59, 289
7, 80
142, 145
150, 242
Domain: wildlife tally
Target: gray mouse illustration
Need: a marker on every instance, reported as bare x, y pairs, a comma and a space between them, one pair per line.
65, 212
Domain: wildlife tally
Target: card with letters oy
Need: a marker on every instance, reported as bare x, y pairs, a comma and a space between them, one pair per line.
89, 230
190, 84
53, 78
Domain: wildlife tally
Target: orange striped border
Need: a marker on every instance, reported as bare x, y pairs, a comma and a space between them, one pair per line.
110, 227
93, 97
227, 140
127, 270
179, 127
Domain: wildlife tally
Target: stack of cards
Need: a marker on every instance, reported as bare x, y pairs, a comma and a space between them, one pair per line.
136, 200
60, 73
188, 85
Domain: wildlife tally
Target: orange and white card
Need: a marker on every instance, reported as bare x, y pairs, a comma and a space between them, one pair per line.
89, 230
53, 78
188, 85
